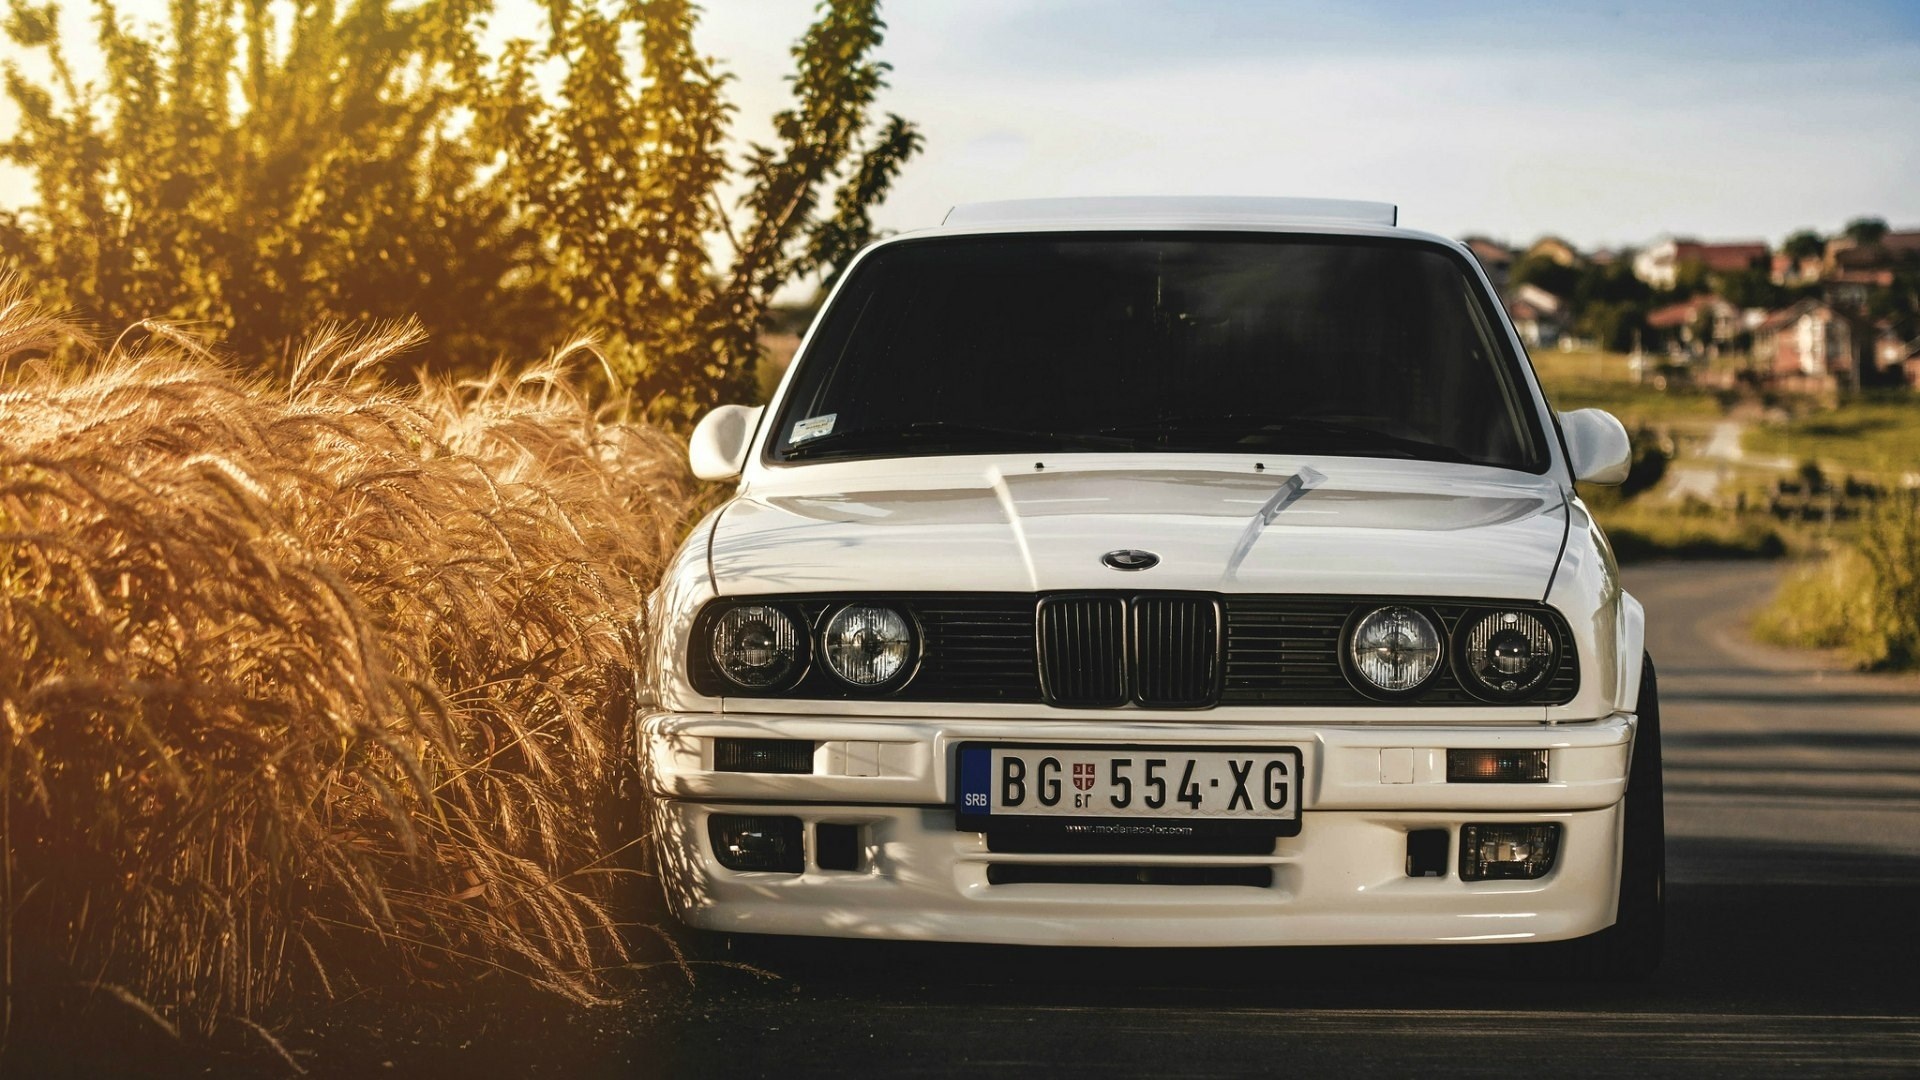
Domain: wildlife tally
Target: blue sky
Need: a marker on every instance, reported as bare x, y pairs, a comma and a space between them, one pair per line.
1608, 123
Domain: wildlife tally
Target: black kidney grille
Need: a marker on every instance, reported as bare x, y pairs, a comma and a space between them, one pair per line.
1083, 651
1176, 651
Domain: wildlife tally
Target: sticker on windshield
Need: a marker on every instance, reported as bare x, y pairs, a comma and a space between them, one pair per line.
812, 429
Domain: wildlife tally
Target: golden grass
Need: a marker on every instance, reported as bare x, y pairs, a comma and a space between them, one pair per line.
312, 686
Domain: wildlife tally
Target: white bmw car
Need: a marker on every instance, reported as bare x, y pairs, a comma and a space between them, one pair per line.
1160, 572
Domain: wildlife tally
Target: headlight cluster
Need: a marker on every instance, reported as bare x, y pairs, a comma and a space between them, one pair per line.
768, 647
1500, 655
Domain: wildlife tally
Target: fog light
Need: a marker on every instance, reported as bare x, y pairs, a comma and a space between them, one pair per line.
1496, 852
763, 755
757, 842
1496, 766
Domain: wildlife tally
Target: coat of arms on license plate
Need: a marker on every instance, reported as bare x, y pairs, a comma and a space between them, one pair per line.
1083, 775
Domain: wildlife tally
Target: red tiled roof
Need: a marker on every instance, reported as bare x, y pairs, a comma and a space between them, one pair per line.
1672, 315
1722, 257
1686, 311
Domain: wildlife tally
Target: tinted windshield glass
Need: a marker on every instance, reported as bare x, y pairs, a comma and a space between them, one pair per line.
1160, 342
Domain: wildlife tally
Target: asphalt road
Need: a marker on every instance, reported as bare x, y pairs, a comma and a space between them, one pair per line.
1793, 810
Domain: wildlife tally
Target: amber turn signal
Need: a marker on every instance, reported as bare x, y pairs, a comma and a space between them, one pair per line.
1496, 766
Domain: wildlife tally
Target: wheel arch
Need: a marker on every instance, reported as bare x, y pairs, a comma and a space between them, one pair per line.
1633, 651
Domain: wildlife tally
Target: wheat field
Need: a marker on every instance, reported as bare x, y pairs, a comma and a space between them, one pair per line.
315, 684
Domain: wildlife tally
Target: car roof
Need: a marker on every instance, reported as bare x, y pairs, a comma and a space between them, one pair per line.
1166, 211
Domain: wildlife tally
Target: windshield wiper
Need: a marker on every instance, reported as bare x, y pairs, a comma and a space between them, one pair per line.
1234, 430
960, 434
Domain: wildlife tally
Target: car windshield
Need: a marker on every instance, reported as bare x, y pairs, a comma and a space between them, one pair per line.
1161, 342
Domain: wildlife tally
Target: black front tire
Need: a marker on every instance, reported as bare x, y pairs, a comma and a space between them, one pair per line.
1629, 950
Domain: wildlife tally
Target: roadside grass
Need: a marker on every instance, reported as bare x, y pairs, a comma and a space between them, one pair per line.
1641, 533
313, 687
1589, 379
1862, 598
1877, 435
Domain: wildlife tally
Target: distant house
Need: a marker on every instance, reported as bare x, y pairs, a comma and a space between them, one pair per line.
1556, 249
1892, 249
1814, 345
1788, 270
1539, 317
1854, 270
1659, 265
1896, 360
1684, 328
1494, 257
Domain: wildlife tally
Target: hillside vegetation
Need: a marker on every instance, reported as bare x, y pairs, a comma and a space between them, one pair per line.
313, 685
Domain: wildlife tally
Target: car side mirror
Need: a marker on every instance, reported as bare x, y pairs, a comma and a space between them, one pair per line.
717, 449
1598, 446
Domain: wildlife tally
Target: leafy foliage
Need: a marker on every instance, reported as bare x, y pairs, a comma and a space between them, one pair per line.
259, 172
1866, 230
1804, 244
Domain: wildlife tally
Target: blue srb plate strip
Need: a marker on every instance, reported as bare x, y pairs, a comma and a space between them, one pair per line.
976, 780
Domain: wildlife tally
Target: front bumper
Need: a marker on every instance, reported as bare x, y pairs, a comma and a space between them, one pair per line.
1341, 881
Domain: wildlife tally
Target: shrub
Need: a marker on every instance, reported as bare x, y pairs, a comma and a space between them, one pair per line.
1819, 606
1890, 543
312, 686
1863, 599
1639, 533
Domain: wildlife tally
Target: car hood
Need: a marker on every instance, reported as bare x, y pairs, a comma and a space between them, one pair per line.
1349, 526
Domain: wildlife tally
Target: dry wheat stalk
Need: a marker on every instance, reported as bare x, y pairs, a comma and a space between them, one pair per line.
311, 685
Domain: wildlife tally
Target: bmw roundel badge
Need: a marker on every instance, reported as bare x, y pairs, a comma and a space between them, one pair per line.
1127, 559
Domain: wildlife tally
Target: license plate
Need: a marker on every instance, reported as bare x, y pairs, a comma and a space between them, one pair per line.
1255, 788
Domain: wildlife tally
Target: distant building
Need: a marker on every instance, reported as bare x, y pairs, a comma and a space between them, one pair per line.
1788, 270
1539, 317
1659, 265
1494, 257
1815, 345
1893, 249
1896, 360
1680, 326
1556, 249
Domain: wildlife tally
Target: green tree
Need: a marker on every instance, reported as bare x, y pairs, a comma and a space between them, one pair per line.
1613, 324
1542, 272
1866, 230
259, 172
627, 174
1689, 278
1749, 289
256, 192
1804, 244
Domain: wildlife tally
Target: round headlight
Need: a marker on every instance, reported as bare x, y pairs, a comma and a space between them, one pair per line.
756, 646
867, 645
1394, 650
1507, 654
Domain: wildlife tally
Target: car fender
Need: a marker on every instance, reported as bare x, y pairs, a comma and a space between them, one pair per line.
1633, 651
